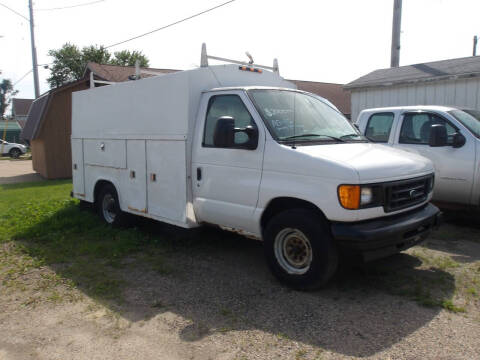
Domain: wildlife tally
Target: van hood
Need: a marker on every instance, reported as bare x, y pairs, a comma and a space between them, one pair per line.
372, 162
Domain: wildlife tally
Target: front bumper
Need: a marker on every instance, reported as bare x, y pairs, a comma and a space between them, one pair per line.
388, 235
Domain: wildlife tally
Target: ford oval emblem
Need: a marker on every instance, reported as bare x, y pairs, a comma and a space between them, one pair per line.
415, 193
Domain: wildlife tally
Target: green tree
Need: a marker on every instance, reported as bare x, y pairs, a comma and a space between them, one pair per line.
128, 58
68, 65
69, 61
6, 94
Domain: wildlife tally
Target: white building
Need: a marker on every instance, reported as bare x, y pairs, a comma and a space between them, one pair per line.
454, 82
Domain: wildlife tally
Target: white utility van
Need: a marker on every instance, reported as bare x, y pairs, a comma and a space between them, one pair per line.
448, 136
239, 147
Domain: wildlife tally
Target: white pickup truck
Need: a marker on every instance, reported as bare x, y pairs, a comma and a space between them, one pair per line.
448, 136
239, 147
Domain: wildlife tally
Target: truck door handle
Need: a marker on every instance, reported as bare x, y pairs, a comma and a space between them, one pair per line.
199, 174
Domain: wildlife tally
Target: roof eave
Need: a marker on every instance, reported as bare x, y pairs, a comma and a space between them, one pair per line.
353, 86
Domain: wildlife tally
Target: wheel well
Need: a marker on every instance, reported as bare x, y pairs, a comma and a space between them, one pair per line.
15, 148
278, 205
98, 186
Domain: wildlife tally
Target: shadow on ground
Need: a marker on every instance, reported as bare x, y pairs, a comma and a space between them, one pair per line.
459, 236
220, 282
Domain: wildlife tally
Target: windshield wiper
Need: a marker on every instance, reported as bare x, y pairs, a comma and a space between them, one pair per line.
352, 135
308, 135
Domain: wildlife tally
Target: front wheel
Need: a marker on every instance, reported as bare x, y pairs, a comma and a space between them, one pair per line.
299, 249
15, 153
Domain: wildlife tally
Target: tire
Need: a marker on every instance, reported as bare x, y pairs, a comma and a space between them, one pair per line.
300, 250
15, 153
108, 207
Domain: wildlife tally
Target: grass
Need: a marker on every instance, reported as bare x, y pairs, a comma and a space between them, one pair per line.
48, 245
41, 225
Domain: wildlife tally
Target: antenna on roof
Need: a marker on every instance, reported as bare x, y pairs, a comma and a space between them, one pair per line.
204, 60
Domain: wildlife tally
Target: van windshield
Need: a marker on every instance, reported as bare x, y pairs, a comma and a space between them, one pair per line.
302, 118
469, 118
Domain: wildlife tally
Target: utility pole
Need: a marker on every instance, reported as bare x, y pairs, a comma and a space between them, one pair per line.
397, 21
475, 40
34, 53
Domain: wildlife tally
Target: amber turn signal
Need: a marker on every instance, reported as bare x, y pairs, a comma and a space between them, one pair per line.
349, 196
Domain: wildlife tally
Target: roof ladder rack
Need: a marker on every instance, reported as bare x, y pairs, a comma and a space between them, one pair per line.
204, 61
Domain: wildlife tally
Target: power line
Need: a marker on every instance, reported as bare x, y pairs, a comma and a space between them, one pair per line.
23, 77
15, 12
169, 25
72, 6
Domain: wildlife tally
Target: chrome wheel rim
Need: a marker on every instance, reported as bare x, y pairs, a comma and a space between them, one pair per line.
293, 251
108, 208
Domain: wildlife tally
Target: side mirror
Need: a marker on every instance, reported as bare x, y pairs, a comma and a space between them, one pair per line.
458, 140
438, 135
224, 134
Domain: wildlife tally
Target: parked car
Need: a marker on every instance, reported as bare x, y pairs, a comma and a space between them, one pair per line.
12, 149
241, 148
448, 136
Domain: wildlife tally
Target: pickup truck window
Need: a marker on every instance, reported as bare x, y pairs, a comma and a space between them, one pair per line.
292, 116
379, 126
469, 118
226, 105
416, 128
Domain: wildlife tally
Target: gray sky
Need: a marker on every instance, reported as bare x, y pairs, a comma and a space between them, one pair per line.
319, 40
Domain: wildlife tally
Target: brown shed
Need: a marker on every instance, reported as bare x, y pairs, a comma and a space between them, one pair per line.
48, 130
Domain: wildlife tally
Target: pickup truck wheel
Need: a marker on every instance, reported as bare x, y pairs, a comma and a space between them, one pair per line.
299, 249
15, 153
109, 207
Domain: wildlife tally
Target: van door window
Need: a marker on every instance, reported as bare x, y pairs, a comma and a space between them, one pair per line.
379, 127
226, 105
416, 128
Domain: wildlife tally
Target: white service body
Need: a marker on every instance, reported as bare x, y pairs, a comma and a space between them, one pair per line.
145, 137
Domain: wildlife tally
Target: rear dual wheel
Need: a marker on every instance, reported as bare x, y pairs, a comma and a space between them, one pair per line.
299, 249
108, 207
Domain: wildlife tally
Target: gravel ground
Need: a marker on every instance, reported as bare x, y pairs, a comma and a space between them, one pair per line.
222, 303
17, 171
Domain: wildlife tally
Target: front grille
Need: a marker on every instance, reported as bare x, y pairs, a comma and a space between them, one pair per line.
405, 193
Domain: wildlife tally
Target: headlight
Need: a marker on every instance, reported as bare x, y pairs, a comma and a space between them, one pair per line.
366, 196
354, 197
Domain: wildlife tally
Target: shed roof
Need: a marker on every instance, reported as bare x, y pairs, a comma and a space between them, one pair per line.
436, 70
332, 92
39, 108
21, 106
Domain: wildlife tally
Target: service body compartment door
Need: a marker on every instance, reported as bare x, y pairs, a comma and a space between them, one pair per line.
77, 169
134, 180
166, 179
106, 152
